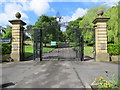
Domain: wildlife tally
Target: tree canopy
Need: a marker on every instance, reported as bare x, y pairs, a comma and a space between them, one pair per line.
70, 32
86, 22
113, 32
50, 27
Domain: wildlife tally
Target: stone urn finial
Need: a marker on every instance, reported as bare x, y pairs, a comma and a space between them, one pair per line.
18, 15
100, 12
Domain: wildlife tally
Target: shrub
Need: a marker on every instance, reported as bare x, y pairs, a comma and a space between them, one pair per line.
111, 81
114, 49
6, 48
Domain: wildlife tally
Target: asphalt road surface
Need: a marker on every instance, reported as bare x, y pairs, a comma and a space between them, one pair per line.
54, 74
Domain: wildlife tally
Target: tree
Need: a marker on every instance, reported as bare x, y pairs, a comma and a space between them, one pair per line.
91, 15
28, 27
113, 32
86, 22
70, 32
112, 13
7, 34
50, 28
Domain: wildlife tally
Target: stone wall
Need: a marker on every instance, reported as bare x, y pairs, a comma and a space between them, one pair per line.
115, 58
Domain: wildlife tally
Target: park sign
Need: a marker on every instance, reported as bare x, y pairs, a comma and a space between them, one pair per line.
53, 43
5, 40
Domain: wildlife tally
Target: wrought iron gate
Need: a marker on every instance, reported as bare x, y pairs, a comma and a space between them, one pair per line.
79, 44
38, 46
62, 50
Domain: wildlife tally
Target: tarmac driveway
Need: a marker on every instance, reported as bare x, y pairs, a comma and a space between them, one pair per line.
54, 74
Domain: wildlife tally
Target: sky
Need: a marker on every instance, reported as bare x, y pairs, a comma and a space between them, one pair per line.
31, 9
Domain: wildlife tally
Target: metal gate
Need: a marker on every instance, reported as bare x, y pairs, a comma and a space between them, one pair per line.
38, 44
62, 50
79, 44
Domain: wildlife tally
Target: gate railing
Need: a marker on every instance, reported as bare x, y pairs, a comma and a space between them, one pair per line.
79, 41
38, 40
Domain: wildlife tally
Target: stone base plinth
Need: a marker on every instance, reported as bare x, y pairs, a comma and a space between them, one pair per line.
115, 58
16, 56
102, 57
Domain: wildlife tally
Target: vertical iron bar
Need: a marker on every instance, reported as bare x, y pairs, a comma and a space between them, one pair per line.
40, 45
94, 42
23, 46
34, 46
37, 35
82, 47
76, 43
80, 43
58, 42
34, 56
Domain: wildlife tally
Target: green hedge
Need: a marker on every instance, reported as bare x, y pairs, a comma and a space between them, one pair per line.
114, 49
6, 48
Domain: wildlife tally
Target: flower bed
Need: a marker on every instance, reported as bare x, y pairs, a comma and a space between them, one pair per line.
110, 82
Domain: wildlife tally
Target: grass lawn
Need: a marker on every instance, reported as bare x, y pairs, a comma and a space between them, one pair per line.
29, 50
87, 49
72, 44
48, 49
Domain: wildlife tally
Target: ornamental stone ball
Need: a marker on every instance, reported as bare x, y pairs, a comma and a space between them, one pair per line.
100, 12
18, 15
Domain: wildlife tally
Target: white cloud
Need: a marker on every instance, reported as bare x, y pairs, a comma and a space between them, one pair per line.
10, 8
85, 0
61, 0
66, 18
112, 3
9, 13
39, 7
78, 13
2, 0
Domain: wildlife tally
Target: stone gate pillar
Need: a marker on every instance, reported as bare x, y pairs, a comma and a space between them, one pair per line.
17, 38
101, 37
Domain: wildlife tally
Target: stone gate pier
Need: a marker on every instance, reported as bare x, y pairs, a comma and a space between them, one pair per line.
17, 38
101, 37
